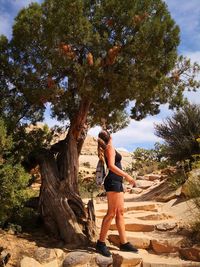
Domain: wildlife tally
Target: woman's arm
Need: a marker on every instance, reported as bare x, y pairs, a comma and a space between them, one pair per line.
110, 155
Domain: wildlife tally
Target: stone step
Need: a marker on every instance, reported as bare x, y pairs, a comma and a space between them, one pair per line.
136, 225
131, 206
152, 260
146, 259
138, 239
140, 214
155, 217
148, 215
146, 207
126, 259
159, 242
141, 205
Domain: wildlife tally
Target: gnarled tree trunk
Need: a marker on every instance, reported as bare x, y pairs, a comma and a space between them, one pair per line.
60, 204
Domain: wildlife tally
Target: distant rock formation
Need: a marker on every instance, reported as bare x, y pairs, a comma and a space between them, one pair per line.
89, 146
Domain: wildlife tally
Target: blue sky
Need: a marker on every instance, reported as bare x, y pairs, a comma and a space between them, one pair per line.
137, 134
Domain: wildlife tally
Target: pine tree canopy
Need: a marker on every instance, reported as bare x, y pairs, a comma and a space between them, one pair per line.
109, 53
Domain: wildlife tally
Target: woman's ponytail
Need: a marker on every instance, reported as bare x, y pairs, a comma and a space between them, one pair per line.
101, 149
103, 139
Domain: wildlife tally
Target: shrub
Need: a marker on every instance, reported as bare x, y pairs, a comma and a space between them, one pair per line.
146, 160
13, 179
13, 182
180, 133
194, 194
88, 186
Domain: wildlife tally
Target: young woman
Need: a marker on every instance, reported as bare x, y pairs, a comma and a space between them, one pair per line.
115, 195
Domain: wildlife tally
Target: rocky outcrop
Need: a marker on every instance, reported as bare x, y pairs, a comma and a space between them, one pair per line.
192, 181
161, 192
89, 146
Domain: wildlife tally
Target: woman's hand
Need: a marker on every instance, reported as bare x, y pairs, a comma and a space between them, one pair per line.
130, 180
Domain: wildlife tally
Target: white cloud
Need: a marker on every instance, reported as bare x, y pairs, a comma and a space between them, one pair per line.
136, 132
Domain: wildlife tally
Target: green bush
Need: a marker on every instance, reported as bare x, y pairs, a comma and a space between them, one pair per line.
194, 194
13, 179
146, 160
25, 218
13, 183
88, 186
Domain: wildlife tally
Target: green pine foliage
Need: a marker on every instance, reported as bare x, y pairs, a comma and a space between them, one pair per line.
13, 179
181, 133
31, 140
110, 53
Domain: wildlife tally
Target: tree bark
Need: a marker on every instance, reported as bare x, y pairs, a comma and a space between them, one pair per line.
60, 204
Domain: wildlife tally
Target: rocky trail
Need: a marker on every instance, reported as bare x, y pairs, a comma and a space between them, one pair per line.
156, 218
156, 228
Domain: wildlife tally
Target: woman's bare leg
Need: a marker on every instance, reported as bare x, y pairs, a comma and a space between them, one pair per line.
120, 218
111, 213
125, 246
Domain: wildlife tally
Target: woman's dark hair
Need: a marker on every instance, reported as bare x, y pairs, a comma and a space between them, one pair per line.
103, 138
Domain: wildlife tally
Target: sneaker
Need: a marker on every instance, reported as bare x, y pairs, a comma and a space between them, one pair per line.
102, 249
128, 247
